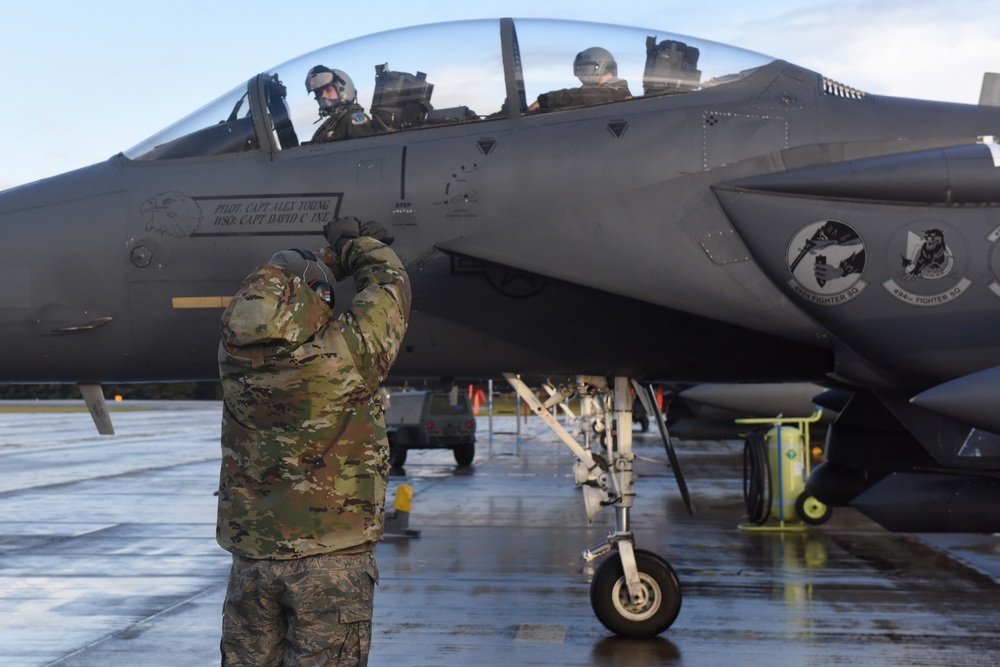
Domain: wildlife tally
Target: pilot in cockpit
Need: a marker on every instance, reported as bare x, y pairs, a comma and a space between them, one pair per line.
598, 72
338, 103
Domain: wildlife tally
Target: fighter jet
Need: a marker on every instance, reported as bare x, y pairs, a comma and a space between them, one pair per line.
729, 217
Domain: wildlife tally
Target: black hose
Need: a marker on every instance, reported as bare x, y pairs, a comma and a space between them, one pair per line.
756, 477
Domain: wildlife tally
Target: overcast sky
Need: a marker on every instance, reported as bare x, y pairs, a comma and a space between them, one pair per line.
86, 80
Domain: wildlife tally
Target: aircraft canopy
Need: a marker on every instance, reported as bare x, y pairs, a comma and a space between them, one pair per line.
446, 73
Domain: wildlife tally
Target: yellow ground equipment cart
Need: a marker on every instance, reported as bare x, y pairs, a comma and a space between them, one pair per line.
776, 463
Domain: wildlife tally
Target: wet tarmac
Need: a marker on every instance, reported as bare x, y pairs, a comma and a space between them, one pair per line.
108, 557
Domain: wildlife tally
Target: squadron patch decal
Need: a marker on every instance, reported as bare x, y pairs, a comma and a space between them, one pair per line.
927, 261
826, 259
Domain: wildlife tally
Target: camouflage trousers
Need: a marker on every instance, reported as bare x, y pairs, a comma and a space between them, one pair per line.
314, 611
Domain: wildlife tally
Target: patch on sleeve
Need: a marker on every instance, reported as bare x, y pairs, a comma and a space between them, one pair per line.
359, 118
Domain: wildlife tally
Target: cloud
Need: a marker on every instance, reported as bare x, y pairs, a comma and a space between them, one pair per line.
926, 50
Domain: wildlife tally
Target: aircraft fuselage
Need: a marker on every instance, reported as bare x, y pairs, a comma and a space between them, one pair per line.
524, 237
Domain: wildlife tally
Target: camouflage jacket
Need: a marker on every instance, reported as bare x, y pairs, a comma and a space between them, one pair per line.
304, 449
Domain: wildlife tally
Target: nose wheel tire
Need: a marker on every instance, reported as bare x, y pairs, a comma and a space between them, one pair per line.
656, 607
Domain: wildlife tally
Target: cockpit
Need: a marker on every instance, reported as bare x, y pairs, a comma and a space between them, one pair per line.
453, 73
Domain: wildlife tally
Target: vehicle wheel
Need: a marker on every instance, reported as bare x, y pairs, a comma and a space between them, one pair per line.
465, 453
811, 510
397, 453
644, 423
648, 617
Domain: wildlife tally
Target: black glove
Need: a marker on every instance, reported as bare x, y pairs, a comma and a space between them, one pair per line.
340, 231
377, 232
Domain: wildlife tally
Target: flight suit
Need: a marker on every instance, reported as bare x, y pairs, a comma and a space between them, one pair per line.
348, 121
305, 457
614, 90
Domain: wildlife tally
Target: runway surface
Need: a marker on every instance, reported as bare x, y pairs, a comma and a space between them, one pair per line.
108, 557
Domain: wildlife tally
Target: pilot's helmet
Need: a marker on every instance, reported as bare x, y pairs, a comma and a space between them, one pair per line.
320, 77
592, 64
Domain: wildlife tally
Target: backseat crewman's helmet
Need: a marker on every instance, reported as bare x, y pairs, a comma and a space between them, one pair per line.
591, 65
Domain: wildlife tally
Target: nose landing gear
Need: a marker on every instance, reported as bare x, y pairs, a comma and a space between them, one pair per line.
655, 607
634, 593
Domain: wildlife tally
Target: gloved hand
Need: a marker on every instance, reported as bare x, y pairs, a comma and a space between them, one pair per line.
340, 231
377, 232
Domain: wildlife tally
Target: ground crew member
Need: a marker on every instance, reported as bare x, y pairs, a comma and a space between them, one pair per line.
338, 102
304, 450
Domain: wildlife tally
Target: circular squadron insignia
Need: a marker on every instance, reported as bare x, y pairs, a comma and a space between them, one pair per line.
826, 259
926, 261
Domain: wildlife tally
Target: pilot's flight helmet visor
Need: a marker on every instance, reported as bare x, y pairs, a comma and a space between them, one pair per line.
320, 77
317, 80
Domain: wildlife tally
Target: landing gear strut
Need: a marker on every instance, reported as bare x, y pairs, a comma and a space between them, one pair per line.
635, 593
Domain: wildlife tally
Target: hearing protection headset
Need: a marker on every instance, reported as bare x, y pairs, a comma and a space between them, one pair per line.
322, 287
